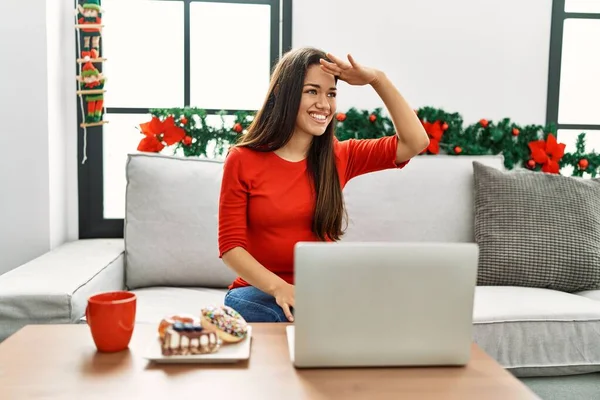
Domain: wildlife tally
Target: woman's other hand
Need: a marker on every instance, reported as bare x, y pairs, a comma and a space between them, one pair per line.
284, 296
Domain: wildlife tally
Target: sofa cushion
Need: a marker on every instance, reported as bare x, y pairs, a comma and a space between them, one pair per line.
429, 200
54, 288
538, 332
155, 303
537, 230
171, 222
590, 294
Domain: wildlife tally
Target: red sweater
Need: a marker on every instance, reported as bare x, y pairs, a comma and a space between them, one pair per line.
266, 203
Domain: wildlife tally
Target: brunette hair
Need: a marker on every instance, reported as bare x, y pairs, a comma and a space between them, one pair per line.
274, 125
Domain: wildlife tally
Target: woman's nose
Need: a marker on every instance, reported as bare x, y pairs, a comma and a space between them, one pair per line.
323, 103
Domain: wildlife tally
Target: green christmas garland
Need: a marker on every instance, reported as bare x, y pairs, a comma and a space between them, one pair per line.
531, 146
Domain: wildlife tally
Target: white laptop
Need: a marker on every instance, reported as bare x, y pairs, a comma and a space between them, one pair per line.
382, 304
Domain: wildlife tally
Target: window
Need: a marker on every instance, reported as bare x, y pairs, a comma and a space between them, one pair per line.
211, 54
573, 79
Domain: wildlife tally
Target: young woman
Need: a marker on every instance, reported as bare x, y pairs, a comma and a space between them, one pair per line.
282, 183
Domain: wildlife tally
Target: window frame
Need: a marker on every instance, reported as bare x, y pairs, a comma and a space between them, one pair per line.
92, 223
559, 15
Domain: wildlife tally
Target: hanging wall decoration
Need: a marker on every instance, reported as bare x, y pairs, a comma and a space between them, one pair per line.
92, 90
90, 79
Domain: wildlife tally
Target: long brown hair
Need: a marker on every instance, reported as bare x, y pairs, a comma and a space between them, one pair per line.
273, 126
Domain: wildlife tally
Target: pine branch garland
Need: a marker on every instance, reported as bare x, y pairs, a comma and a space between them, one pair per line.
447, 132
201, 132
582, 161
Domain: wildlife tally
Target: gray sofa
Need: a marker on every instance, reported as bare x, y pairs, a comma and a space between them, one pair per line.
169, 257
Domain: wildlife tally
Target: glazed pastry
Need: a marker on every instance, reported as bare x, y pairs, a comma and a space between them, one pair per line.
168, 322
229, 324
189, 339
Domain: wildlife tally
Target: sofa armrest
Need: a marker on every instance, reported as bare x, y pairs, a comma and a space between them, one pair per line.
54, 288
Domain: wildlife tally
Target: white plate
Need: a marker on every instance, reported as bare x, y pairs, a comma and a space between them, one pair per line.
291, 338
228, 353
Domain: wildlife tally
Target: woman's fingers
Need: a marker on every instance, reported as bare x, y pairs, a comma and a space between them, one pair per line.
340, 63
287, 312
352, 61
330, 71
331, 66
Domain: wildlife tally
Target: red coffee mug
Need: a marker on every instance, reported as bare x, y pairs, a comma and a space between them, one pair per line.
111, 318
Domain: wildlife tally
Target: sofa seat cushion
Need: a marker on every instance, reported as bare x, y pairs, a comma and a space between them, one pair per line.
538, 332
590, 294
155, 303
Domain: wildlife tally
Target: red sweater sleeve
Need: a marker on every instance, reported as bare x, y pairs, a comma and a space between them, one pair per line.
233, 204
369, 155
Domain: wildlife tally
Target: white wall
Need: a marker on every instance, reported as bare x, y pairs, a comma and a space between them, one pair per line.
482, 59
24, 212
62, 122
37, 117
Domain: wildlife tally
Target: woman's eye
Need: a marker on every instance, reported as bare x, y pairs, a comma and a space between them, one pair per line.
312, 91
332, 94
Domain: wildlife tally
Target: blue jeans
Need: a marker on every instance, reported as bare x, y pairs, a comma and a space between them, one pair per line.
254, 305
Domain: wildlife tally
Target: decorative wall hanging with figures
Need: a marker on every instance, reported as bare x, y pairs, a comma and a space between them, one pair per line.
88, 23
89, 17
92, 90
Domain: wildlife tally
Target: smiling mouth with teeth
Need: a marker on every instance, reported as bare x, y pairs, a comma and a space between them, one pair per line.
318, 117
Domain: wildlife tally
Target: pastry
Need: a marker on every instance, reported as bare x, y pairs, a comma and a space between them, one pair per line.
189, 339
229, 324
167, 322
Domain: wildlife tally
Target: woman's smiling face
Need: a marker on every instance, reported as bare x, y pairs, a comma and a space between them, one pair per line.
318, 103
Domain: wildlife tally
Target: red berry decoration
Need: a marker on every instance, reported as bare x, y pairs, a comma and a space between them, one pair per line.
238, 127
515, 132
340, 117
187, 140
372, 117
531, 164
583, 164
458, 149
183, 120
445, 126
484, 122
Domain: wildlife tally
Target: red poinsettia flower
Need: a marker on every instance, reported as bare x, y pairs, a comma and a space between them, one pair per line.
157, 132
150, 144
435, 131
547, 153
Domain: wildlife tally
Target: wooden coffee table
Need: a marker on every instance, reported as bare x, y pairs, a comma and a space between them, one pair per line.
61, 362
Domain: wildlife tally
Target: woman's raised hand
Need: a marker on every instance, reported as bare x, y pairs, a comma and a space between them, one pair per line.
349, 71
